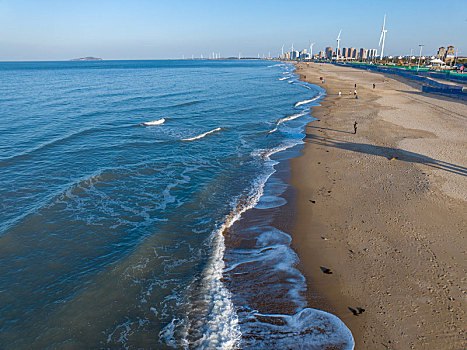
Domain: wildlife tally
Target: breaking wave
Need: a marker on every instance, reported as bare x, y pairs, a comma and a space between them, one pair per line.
154, 122
202, 135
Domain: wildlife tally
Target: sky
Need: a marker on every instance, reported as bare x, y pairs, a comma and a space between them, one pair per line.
159, 29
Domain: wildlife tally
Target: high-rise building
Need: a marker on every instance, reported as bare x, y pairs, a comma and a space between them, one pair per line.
362, 54
353, 53
329, 52
372, 53
441, 53
322, 54
345, 52
450, 54
294, 55
304, 55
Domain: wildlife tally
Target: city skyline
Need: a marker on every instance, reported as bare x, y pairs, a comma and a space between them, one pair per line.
54, 30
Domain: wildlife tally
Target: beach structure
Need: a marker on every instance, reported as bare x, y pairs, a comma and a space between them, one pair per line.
382, 38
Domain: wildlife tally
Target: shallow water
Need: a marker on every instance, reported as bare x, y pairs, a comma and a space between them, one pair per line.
118, 182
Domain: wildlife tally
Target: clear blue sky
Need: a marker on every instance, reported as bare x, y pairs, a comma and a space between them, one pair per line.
146, 29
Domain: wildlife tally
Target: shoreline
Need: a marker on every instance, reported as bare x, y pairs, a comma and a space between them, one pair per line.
398, 253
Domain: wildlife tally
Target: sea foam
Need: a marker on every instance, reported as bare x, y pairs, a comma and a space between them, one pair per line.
202, 135
307, 101
154, 122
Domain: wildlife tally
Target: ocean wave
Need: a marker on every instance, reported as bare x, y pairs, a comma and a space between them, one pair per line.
49, 144
283, 78
285, 119
214, 320
272, 262
307, 329
273, 256
202, 135
154, 122
307, 101
292, 117
306, 86
189, 103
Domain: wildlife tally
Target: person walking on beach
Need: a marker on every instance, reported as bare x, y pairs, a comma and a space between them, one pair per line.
339, 93
355, 127
355, 85
374, 86
355, 92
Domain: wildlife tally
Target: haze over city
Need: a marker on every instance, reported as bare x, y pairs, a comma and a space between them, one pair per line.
58, 30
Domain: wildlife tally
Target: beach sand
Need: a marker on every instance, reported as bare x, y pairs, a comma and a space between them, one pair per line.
389, 208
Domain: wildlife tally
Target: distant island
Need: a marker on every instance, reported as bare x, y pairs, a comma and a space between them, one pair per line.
87, 59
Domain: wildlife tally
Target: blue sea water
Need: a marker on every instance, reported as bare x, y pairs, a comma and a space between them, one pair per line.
137, 206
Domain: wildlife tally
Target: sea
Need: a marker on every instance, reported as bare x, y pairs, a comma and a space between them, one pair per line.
146, 205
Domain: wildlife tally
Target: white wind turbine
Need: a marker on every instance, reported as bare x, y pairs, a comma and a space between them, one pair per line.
338, 44
382, 37
282, 51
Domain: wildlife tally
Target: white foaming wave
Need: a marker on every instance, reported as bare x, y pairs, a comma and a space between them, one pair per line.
223, 330
283, 78
285, 119
307, 329
267, 153
154, 122
307, 101
202, 135
273, 130
306, 86
292, 117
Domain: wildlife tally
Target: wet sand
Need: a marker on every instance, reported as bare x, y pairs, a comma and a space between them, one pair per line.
384, 210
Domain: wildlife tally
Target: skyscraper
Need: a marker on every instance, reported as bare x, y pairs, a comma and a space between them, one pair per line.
345, 52
362, 54
329, 52
372, 53
441, 53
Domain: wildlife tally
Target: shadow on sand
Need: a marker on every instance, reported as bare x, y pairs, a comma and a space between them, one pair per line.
335, 130
386, 152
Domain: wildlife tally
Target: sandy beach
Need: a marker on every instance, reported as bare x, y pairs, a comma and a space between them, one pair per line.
384, 209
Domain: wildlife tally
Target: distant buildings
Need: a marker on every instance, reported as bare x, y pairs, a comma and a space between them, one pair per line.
372, 53
362, 54
446, 54
441, 53
450, 55
345, 52
304, 55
